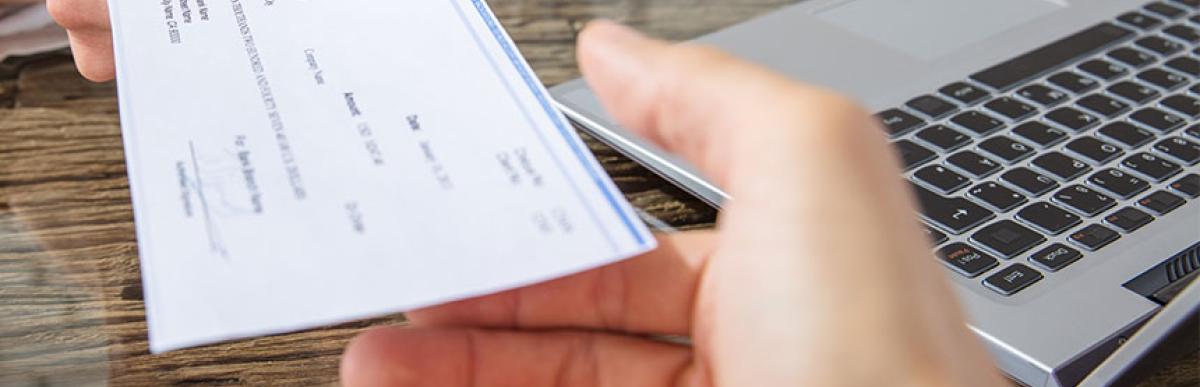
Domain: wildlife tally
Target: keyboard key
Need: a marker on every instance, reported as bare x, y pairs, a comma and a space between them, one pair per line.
1084, 200
1182, 32
999, 197
1140, 20
967, 260
1073, 82
898, 122
1134, 92
1151, 166
1103, 69
1131, 56
964, 93
1129, 219
1180, 149
973, 164
1118, 183
1182, 104
1053, 55
1061, 166
1184, 65
941, 179
977, 122
1162, 78
1161, 202
1029, 181
913, 155
1048, 218
1072, 119
1093, 150
1042, 95
1159, 45
1010, 108
1164, 9
1007, 149
1126, 134
1007, 238
932, 107
936, 237
1041, 134
1188, 186
1157, 119
1102, 105
1093, 237
955, 215
1055, 257
943, 137
1193, 131
1012, 279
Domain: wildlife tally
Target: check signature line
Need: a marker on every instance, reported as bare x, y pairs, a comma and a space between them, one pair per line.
210, 228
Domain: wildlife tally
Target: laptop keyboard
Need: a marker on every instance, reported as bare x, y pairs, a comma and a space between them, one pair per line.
1055, 154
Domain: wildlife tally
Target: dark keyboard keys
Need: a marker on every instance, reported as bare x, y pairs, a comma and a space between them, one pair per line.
977, 122
936, 237
1010, 108
1053, 55
997, 196
967, 260
1072, 119
1157, 119
1073, 82
1118, 183
1151, 166
1102, 105
1131, 56
1029, 181
897, 122
1126, 134
1084, 200
1042, 95
1129, 219
943, 137
1140, 20
1134, 92
1103, 69
913, 155
1093, 237
1041, 134
1093, 150
1163, 9
955, 215
1007, 149
1012, 279
1061, 166
1159, 45
1007, 238
1182, 104
1193, 131
1161, 202
1182, 32
1184, 65
1048, 218
1055, 257
941, 179
973, 164
1188, 186
1180, 149
964, 93
932, 107
1162, 78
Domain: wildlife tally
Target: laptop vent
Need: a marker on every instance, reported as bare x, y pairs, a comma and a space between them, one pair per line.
1183, 264
1168, 278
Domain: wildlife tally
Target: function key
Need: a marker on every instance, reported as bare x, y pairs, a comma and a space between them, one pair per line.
1134, 92
1183, 104
1131, 57
1048, 218
1055, 257
964, 93
1188, 186
1103, 69
1073, 119
1007, 149
1162, 78
935, 236
899, 122
1184, 65
973, 164
1093, 237
1118, 183
1164, 9
943, 137
997, 196
1007, 238
978, 123
1061, 166
1041, 134
1126, 134
1012, 279
1029, 181
941, 179
1180, 149
1139, 20
1093, 150
1042, 94
1151, 166
1159, 45
1129, 219
932, 107
967, 260
1084, 200
1073, 82
1182, 32
912, 154
956, 215
1157, 119
1011, 108
1102, 105
1161, 202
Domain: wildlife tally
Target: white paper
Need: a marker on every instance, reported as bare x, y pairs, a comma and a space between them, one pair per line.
27, 30
301, 163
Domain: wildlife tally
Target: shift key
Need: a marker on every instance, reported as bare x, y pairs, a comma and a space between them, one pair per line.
955, 215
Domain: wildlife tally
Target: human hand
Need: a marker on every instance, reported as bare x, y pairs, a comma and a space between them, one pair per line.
88, 26
818, 274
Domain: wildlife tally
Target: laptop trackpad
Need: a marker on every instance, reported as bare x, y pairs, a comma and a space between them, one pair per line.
930, 29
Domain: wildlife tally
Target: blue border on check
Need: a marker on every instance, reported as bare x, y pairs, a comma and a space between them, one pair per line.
535, 88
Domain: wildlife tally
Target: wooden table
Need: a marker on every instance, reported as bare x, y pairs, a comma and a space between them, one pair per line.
71, 310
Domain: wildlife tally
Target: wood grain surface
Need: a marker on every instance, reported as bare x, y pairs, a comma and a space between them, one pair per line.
71, 310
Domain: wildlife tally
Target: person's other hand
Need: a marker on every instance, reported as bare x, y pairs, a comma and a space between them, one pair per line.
88, 26
818, 276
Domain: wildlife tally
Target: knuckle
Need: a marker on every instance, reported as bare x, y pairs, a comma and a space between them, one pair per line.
78, 14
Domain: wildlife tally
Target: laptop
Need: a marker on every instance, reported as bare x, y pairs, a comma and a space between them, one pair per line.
1054, 147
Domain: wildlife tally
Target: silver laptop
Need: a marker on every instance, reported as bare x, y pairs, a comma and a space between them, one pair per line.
1053, 145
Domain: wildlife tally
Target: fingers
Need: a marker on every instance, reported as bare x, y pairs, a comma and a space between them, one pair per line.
652, 293
87, 24
396, 356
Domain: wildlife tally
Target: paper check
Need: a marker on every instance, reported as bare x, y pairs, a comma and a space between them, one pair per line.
301, 163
